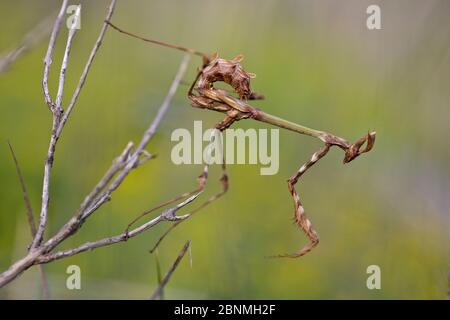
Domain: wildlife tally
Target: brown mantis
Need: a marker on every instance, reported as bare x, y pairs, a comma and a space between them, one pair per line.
203, 94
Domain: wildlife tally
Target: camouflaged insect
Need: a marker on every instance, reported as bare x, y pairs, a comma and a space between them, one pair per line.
231, 72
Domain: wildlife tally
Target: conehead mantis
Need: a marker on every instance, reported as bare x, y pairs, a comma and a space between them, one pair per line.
202, 94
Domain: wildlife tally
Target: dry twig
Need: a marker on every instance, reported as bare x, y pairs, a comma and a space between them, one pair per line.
158, 292
41, 251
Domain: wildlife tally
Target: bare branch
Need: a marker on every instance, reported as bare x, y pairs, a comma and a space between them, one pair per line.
60, 118
122, 167
157, 293
116, 166
57, 112
65, 61
112, 179
127, 161
197, 209
167, 215
37, 248
87, 67
134, 161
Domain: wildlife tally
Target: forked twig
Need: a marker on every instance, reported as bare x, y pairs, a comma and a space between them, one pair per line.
48, 60
43, 251
224, 180
122, 166
166, 215
127, 161
59, 117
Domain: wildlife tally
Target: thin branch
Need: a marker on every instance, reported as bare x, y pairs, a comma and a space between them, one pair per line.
48, 57
162, 205
157, 293
101, 193
134, 158
59, 118
167, 215
57, 111
96, 199
87, 67
175, 224
31, 222
65, 61
37, 248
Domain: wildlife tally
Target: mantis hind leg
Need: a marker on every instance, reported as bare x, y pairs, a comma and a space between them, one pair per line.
300, 217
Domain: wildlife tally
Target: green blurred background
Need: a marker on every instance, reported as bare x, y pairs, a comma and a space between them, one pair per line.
318, 65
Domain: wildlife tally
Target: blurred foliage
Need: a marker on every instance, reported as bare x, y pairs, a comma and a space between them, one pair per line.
318, 65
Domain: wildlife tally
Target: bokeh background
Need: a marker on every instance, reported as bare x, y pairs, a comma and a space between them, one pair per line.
317, 64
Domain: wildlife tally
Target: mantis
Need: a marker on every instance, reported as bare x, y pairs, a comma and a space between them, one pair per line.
202, 94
